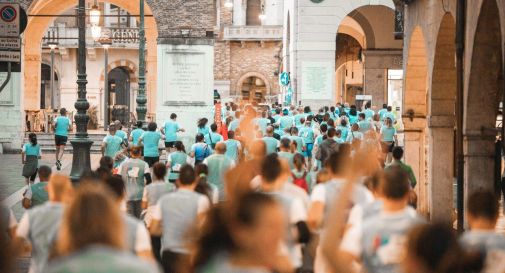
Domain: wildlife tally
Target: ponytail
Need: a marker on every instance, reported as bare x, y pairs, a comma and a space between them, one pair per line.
32, 137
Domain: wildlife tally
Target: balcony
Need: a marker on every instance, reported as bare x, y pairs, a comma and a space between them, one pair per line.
68, 37
252, 33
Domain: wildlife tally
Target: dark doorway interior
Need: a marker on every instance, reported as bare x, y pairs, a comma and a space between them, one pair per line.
119, 95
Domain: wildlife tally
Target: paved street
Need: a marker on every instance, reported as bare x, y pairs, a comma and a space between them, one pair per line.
12, 185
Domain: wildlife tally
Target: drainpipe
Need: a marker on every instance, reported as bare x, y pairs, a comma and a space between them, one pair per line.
460, 50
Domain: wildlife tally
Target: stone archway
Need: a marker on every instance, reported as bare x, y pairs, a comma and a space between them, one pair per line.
131, 67
415, 111
247, 75
441, 122
36, 29
484, 89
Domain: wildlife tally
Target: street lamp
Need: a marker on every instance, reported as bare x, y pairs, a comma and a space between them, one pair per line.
141, 97
228, 4
52, 45
106, 43
94, 15
262, 16
96, 32
81, 144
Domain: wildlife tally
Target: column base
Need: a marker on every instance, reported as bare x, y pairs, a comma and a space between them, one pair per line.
81, 161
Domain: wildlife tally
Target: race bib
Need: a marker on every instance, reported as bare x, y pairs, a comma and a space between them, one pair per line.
392, 251
133, 172
495, 261
176, 167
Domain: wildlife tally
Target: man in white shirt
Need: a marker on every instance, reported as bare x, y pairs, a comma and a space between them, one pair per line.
274, 174
39, 224
137, 237
175, 214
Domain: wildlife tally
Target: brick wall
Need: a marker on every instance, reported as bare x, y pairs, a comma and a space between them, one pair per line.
252, 57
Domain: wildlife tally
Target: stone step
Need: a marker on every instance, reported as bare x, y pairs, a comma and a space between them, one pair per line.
47, 145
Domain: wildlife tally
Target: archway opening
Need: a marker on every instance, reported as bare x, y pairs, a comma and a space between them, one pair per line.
119, 95
118, 24
46, 90
366, 51
484, 91
254, 89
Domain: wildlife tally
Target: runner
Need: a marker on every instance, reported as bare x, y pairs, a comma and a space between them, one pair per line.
388, 138
233, 147
30, 156
483, 213
176, 160
243, 239
218, 164
61, 128
136, 134
397, 161
39, 224
136, 236
170, 130
271, 143
200, 150
112, 144
285, 152
212, 138
36, 194
136, 174
91, 237
150, 140
152, 193
173, 215
275, 173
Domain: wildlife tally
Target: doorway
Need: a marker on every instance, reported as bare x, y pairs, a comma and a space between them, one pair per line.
119, 95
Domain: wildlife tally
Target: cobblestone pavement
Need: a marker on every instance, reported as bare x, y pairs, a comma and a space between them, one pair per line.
12, 183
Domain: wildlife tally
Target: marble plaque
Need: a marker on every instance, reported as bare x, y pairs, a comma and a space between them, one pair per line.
185, 78
317, 80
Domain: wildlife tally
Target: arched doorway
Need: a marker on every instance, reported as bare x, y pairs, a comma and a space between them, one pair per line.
254, 87
415, 111
45, 88
119, 94
441, 123
38, 25
366, 53
484, 91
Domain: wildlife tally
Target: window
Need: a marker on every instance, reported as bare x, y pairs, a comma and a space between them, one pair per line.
253, 13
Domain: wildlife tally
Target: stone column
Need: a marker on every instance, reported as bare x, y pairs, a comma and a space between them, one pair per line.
414, 145
441, 168
479, 161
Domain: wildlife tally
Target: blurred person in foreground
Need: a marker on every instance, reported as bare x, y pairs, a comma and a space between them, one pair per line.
91, 238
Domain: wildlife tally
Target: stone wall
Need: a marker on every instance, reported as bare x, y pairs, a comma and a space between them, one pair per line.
254, 57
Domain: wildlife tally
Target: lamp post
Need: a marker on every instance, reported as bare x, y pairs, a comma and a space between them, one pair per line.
81, 143
52, 45
106, 43
141, 97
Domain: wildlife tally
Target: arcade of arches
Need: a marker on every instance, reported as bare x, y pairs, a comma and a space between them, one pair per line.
352, 43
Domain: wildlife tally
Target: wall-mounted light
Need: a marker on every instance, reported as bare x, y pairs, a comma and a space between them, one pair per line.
228, 4
96, 32
262, 16
94, 15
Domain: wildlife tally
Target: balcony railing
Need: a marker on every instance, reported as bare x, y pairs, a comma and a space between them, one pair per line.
68, 36
259, 33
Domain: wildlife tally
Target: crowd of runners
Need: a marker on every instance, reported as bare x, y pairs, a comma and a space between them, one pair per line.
280, 189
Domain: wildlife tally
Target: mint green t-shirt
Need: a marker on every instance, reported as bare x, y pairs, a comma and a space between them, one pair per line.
113, 145
151, 141
62, 124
